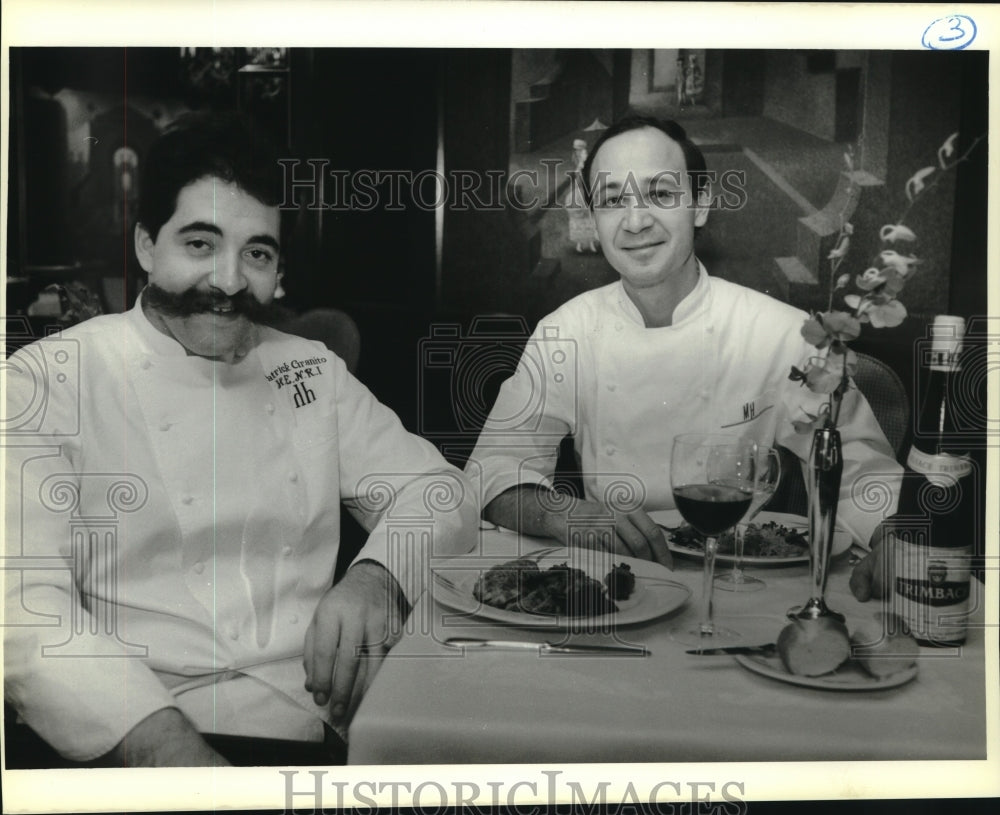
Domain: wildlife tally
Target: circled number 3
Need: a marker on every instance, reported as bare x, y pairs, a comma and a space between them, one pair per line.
950, 33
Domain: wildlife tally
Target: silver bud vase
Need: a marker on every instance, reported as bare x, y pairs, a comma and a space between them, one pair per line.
824, 471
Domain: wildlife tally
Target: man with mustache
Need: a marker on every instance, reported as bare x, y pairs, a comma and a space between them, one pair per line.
219, 450
666, 350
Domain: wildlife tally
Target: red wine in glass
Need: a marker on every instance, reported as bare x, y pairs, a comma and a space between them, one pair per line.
712, 508
705, 477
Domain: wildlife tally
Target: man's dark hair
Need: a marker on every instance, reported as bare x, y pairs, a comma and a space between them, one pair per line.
693, 157
198, 145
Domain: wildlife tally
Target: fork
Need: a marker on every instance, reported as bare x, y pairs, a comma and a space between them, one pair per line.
447, 582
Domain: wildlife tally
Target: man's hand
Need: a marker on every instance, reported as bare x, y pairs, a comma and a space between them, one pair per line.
635, 533
165, 739
355, 625
537, 510
870, 577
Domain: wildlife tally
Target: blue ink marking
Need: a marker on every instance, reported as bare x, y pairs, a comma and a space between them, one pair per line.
950, 33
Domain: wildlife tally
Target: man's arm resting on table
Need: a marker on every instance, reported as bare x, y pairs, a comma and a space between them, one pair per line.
534, 509
165, 739
528, 508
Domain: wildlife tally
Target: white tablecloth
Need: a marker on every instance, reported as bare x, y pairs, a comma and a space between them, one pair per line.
433, 704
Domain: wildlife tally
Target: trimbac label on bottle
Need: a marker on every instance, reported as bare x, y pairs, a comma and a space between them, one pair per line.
931, 590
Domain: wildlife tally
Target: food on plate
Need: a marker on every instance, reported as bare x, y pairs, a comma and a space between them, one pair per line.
882, 647
520, 586
814, 647
501, 586
620, 582
769, 539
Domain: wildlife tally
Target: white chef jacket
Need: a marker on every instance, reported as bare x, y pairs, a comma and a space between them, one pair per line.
593, 370
194, 505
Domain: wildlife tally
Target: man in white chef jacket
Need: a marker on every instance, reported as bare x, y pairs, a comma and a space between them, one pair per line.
174, 476
665, 350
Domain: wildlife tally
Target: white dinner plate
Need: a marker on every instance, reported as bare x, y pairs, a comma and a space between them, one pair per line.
671, 519
656, 593
850, 676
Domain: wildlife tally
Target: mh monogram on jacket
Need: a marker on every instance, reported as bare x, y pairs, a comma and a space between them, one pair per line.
294, 375
750, 411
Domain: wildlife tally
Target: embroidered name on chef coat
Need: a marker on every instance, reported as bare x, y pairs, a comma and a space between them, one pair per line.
295, 374
752, 410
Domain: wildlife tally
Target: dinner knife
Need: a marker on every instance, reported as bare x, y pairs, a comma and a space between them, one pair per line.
767, 649
547, 647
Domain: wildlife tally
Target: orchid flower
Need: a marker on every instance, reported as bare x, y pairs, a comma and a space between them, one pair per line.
824, 374
890, 233
916, 182
947, 150
901, 263
886, 315
869, 279
894, 282
834, 326
859, 306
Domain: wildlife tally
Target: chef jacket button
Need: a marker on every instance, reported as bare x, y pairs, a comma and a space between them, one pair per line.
705, 393
287, 551
610, 451
199, 567
269, 407
187, 500
293, 477
234, 634
612, 388
709, 328
293, 619
164, 426
618, 326
146, 365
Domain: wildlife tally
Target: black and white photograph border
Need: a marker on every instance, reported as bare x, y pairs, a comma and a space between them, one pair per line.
465, 187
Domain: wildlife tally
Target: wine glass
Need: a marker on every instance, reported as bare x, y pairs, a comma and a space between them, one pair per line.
705, 472
762, 477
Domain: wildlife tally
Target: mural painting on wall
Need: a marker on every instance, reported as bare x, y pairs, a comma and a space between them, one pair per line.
582, 230
690, 81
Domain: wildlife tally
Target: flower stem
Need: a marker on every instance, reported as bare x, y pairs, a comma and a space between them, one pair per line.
834, 414
934, 182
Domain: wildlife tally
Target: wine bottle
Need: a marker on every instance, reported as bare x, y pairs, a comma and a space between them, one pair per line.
934, 528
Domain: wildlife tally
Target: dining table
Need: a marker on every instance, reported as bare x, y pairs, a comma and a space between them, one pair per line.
434, 703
